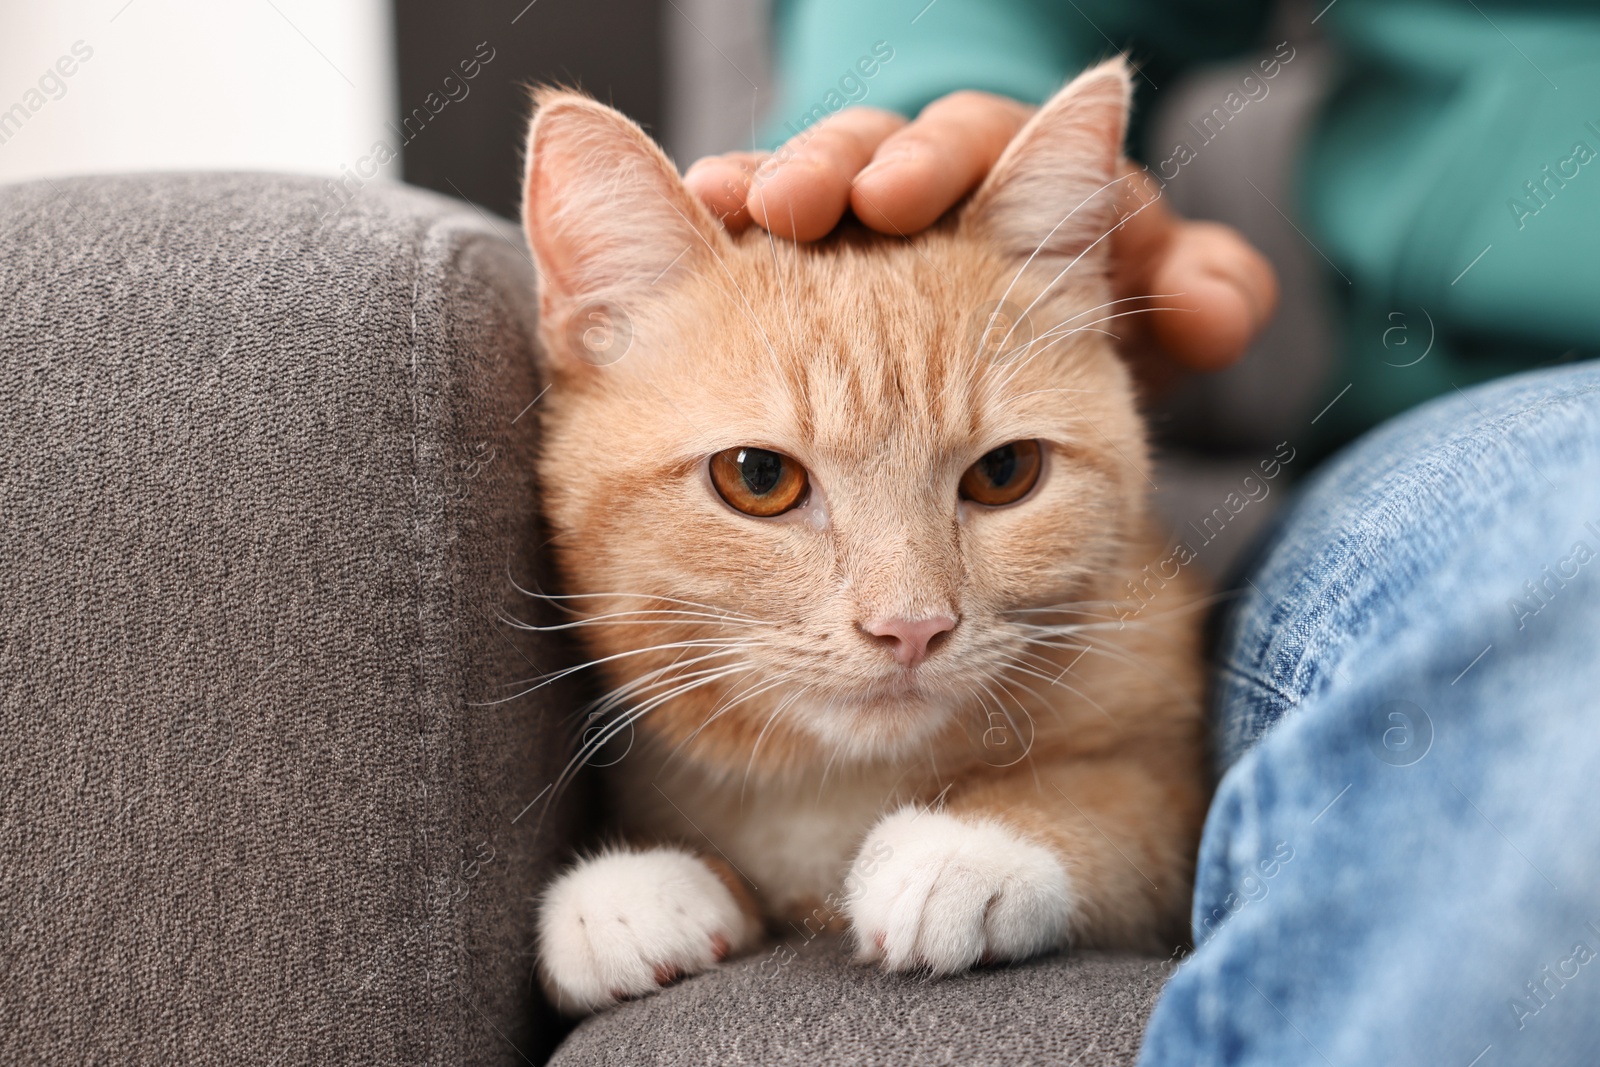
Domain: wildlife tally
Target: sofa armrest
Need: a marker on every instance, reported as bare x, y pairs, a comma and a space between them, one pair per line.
267, 483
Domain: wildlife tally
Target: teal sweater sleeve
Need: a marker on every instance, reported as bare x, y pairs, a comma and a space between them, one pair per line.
1023, 49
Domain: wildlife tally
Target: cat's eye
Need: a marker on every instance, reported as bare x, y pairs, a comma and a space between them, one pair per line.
757, 481
1004, 475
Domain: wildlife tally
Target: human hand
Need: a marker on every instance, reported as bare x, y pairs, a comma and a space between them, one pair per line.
899, 177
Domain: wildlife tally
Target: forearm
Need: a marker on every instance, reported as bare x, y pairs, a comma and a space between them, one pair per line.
1124, 829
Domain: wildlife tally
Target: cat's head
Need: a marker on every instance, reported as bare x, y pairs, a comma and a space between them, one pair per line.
809, 494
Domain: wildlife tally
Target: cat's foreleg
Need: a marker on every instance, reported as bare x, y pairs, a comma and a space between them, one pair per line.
1094, 854
626, 922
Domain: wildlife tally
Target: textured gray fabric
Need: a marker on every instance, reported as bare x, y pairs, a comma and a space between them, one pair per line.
809, 1005
264, 480
262, 484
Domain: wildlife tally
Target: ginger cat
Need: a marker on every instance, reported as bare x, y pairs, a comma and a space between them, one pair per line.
853, 555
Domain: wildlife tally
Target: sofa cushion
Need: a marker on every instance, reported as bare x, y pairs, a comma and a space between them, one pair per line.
806, 1004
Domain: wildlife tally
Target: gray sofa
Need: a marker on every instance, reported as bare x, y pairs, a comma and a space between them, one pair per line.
274, 777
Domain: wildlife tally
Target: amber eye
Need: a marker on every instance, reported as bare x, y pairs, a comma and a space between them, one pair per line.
1004, 475
758, 482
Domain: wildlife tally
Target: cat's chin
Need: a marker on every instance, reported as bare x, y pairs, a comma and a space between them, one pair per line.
883, 722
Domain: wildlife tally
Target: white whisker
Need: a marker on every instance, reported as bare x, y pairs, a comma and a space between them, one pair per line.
558, 675
556, 598
672, 615
756, 748
1075, 259
733, 700
1034, 254
599, 741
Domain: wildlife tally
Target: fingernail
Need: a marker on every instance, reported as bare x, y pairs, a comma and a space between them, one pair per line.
882, 163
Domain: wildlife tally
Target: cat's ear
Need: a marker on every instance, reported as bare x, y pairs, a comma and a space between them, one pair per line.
1053, 191
610, 223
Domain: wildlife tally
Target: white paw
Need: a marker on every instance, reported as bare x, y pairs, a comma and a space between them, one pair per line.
939, 893
626, 923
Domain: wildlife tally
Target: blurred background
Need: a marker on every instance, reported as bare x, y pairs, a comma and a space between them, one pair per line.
317, 86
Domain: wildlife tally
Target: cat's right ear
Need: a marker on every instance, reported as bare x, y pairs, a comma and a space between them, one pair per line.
1051, 197
609, 221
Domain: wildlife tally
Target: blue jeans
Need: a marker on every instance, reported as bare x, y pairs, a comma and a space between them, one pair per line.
1402, 863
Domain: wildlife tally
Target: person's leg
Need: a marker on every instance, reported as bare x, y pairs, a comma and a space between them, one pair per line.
1405, 868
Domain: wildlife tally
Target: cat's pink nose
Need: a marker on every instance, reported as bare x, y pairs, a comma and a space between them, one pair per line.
909, 639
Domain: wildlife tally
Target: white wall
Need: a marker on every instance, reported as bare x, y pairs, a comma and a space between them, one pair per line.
292, 85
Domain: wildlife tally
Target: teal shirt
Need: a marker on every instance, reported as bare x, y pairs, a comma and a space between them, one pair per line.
1453, 179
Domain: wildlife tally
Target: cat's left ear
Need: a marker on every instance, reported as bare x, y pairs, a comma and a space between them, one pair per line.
1052, 193
609, 221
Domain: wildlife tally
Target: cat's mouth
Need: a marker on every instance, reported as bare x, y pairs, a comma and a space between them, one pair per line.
881, 718
910, 700
903, 687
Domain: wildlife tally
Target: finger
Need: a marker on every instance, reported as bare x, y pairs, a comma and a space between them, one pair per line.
723, 182
1220, 290
920, 172
803, 190
1228, 288
1146, 226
